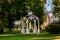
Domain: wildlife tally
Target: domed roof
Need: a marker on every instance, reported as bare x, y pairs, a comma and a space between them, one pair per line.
30, 16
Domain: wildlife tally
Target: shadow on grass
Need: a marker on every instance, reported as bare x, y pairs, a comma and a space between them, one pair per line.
29, 37
17, 35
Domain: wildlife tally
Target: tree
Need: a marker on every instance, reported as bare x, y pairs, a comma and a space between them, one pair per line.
11, 9
37, 7
19, 9
53, 28
1, 27
57, 7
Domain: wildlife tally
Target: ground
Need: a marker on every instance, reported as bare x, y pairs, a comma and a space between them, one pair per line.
16, 35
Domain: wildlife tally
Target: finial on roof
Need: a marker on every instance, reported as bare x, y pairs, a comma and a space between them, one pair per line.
29, 12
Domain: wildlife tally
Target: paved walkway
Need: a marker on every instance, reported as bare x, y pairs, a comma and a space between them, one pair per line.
57, 39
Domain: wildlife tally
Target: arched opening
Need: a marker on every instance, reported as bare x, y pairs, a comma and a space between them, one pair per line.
30, 24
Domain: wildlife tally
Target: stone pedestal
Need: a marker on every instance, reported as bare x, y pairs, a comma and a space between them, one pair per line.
38, 31
22, 31
34, 31
38, 28
27, 30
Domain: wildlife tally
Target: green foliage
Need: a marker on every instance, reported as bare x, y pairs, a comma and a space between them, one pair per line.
1, 27
37, 7
19, 9
53, 28
31, 30
57, 7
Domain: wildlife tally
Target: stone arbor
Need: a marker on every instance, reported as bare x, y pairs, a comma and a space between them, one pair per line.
28, 26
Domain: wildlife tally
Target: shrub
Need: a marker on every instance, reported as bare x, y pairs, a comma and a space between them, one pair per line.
31, 30
53, 28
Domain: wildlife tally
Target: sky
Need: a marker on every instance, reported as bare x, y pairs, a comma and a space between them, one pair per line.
49, 6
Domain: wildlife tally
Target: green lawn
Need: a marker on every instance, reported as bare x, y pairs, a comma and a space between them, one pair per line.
15, 35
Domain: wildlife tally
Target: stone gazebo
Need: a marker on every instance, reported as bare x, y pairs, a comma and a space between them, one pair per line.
30, 24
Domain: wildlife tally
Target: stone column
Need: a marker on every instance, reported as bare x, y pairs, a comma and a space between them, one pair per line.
27, 29
22, 30
38, 27
47, 20
34, 30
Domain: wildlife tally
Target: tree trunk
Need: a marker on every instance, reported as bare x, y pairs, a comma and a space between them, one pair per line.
10, 29
1, 27
1, 30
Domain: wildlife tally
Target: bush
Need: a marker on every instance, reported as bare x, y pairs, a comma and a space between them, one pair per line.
1, 27
31, 30
53, 28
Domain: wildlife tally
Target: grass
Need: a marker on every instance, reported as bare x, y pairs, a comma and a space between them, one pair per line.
16, 35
